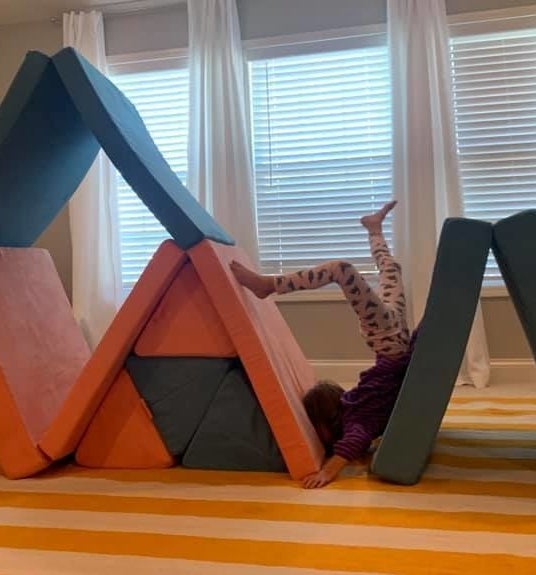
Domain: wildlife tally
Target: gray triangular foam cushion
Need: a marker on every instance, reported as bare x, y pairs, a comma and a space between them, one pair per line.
234, 434
178, 391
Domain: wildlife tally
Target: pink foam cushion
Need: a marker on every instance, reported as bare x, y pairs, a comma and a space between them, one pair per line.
275, 364
42, 350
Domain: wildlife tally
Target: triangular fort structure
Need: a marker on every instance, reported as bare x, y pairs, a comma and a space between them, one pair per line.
191, 375
194, 369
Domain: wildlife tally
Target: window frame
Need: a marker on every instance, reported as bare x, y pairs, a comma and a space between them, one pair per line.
135, 62
490, 21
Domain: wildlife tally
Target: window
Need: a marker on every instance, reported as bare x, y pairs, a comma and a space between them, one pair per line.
321, 126
494, 84
161, 98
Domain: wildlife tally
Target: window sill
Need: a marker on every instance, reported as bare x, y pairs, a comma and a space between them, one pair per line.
334, 295
311, 296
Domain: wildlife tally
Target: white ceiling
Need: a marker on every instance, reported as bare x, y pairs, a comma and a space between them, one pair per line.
16, 11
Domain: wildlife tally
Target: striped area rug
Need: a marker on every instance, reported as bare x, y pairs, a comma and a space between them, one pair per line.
473, 513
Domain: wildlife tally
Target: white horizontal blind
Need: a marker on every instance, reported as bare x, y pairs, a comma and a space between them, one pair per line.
322, 151
494, 82
161, 98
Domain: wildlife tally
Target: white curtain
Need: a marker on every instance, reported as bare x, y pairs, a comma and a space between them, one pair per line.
93, 208
425, 172
220, 173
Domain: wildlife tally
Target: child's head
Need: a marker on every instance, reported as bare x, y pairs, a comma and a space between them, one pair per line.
323, 406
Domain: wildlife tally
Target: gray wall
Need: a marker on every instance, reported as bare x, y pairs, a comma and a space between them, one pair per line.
158, 30
329, 330
261, 18
325, 330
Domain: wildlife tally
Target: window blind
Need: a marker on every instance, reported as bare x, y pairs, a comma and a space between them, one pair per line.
321, 128
494, 87
161, 98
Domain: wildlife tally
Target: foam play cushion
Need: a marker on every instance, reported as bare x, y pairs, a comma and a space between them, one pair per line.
122, 434
125, 139
56, 115
82, 402
45, 151
514, 247
185, 323
454, 291
42, 352
275, 364
178, 392
234, 433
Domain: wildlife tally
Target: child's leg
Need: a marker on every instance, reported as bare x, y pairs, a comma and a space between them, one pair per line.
380, 324
381, 315
390, 291
372, 311
390, 287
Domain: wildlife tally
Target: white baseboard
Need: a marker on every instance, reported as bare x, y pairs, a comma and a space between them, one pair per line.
503, 371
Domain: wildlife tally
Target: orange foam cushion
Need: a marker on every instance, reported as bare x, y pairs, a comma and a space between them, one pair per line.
275, 364
122, 434
42, 352
185, 323
19, 456
86, 395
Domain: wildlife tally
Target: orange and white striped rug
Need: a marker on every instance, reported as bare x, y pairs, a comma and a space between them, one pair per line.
474, 513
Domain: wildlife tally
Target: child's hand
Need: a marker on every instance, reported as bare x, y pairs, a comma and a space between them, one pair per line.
318, 479
329, 471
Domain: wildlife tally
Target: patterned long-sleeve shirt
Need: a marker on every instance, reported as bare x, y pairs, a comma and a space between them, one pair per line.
366, 408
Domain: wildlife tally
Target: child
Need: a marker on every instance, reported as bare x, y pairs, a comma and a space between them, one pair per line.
348, 422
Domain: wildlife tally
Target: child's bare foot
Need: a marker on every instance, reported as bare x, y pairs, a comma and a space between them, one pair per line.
261, 286
373, 222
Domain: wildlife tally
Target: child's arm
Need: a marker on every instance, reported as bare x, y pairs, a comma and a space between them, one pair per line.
329, 471
354, 443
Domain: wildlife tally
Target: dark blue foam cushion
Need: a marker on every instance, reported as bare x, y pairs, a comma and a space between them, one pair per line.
234, 434
125, 139
178, 391
454, 291
514, 246
45, 151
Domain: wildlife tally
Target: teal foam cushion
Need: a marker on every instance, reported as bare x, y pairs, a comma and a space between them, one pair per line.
178, 391
234, 433
45, 151
125, 139
514, 247
439, 348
